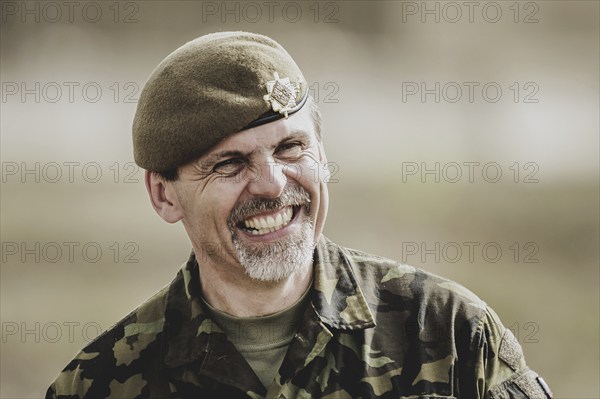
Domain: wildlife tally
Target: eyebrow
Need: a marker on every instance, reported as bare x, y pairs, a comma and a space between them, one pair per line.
296, 134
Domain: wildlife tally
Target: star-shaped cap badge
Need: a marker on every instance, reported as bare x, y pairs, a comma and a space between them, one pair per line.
282, 93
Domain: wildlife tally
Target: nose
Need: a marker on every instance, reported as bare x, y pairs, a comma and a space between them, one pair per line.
267, 179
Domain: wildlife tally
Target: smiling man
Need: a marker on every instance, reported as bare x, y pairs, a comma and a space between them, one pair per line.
266, 306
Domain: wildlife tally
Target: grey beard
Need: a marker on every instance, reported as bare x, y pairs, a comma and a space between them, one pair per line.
278, 260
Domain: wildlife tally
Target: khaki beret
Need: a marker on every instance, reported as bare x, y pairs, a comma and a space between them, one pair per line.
208, 89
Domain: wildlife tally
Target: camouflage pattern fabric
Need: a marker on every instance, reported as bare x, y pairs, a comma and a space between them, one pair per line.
374, 329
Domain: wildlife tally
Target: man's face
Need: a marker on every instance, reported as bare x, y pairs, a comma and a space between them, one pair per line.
256, 202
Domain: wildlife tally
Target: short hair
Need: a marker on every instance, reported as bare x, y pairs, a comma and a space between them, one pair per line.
173, 174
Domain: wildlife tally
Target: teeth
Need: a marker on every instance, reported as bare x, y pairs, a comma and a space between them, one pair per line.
287, 215
269, 224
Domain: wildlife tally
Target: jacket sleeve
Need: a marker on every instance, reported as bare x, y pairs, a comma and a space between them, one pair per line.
501, 371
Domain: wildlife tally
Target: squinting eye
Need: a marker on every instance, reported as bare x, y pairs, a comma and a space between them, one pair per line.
229, 166
290, 149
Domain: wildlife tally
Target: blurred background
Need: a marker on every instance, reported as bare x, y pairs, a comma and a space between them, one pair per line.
463, 139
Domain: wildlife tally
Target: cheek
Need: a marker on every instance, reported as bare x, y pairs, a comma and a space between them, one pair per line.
310, 171
311, 155
218, 202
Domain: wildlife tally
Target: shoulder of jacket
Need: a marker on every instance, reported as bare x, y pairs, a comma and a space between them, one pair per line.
433, 292
131, 345
145, 320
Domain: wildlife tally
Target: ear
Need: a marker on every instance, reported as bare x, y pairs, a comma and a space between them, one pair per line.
163, 198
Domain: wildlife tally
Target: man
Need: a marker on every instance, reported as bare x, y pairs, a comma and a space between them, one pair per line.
266, 306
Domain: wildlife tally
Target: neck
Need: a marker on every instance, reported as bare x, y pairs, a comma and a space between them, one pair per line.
231, 291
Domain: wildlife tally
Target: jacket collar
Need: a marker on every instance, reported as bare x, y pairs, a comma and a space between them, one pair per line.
337, 298
189, 334
187, 326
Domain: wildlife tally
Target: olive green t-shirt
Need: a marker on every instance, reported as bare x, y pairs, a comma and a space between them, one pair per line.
264, 340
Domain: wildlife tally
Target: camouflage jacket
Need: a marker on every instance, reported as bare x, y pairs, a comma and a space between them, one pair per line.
374, 329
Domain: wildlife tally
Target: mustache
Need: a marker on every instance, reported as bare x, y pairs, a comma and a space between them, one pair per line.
291, 196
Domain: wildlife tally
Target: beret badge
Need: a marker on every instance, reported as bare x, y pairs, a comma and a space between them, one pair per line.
281, 95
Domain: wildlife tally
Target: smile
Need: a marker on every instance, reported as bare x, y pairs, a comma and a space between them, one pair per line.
268, 223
